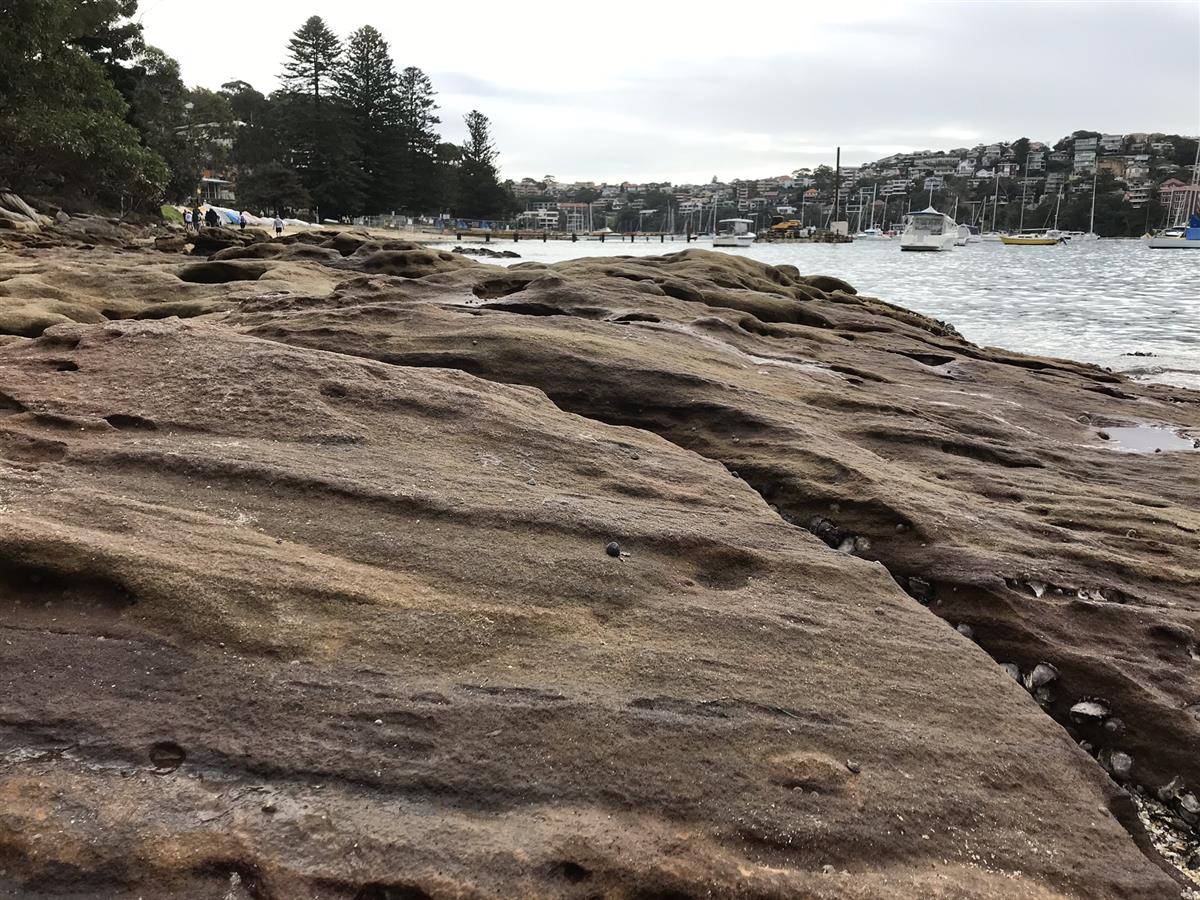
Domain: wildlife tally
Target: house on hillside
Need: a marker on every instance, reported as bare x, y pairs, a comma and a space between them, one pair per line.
1138, 194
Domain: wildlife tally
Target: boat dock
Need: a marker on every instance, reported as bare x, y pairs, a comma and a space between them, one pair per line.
517, 235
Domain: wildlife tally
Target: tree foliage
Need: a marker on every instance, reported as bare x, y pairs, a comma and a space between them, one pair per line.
320, 142
367, 84
313, 55
88, 110
62, 120
273, 188
480, 194
417, 163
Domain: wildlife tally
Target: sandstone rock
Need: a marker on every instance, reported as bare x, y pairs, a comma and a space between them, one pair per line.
15, 210
847, 400
355, 498
221, 272
829, 284
407, 263
276, 250
170, 243
347, 242
62, 284
210, 240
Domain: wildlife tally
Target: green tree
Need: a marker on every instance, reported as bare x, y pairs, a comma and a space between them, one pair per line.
823, 177
448, 158
1185, 150
272, 188
313, 55
480, 194
157, 109
417, 162
1020, 148
257, 136
367, 86
109, 34
315, 124
62, 121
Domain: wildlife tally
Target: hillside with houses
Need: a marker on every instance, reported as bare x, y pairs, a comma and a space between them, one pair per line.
1140, 180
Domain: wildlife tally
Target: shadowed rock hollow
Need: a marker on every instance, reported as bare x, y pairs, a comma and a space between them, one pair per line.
310, 596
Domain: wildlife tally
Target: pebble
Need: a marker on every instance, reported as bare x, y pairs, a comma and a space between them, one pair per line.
1090, 711
379, 721
1189, 808
269, 807
827, 869
853, 766
965, 630
613, 549
1042, 674
1119, 763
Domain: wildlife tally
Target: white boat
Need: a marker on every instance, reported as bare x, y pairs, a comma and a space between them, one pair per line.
990, 237
737, 234
963, 235
1178, 238
929, 230
872, 234
1076, 237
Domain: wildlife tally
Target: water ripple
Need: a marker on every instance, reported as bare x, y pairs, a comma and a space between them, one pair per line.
1094, 302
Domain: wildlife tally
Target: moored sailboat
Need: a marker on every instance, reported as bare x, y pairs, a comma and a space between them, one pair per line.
1180, 236
1030, 239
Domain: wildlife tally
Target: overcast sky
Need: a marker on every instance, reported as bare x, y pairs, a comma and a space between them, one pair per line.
672, 91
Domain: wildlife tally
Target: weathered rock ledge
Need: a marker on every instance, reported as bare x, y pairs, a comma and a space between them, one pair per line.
308, 595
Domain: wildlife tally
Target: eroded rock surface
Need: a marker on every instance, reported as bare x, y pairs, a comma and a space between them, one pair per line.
291, 622
981, 478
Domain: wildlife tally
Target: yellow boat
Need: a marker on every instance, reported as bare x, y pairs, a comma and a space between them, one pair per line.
1029, 240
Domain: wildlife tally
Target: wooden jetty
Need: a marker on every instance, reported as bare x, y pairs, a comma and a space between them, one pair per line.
517, 235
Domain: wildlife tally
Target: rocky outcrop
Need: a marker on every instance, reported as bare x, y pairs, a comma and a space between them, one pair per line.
487, 252
414, 263
980, 478
17, 215
622, 577
40, 288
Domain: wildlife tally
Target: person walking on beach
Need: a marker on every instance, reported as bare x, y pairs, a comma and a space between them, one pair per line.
187, 220
241, 221
278, 226
196, 216
211, 219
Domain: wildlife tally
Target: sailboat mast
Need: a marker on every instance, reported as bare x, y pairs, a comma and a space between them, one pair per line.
1024, 186
996, 197
1195, 181
837, 186
1057, 202
1092, 220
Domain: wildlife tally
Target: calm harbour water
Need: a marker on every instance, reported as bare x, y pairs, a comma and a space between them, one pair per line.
1096, 302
